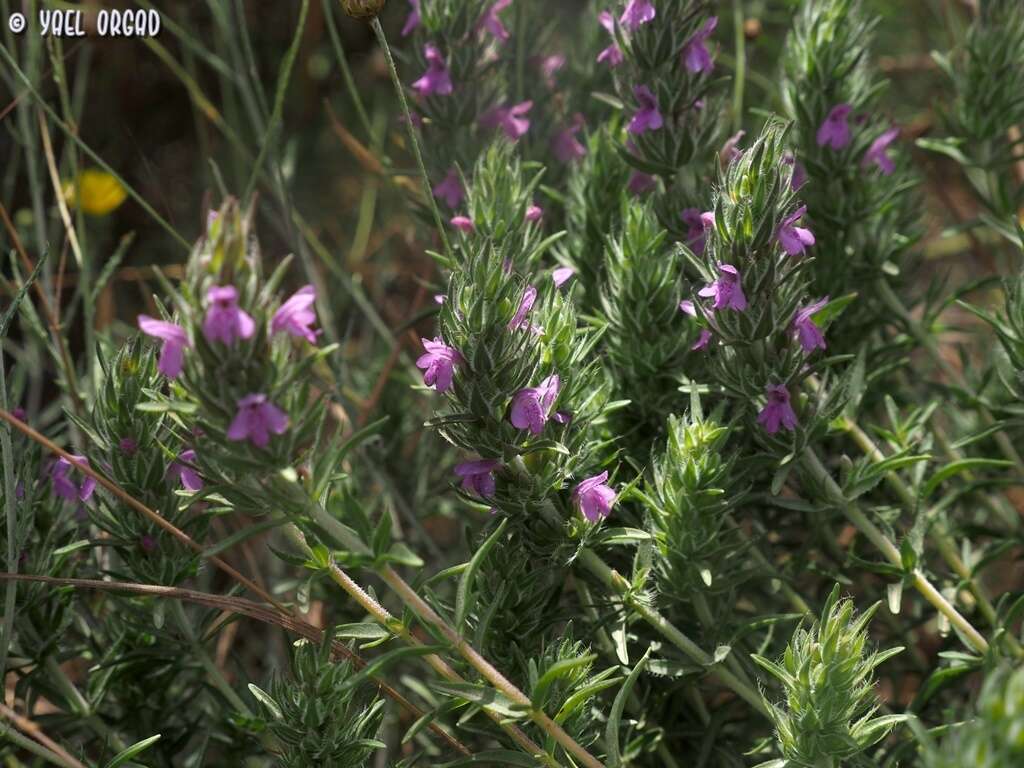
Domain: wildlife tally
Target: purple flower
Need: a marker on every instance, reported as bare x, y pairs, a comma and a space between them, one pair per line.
450, 189
637, 12
297, 315
564, 144
225, 322
697, 226
257, 417
612, 54
148, 543
492, 23
128, 446
807, 332
695, 53
188, 477
561, 275
436, 79
647, 118
834, 131
794, 240
549, 67
462, 223
727, 290
730, 150
640, 183
477, 476
438, 364
510, 119
593, 498
19, 413
877, 153
175, 341
525, 305
531, 406
534, 213
413, 19
64, 487
705, 335
799, 176
777, 411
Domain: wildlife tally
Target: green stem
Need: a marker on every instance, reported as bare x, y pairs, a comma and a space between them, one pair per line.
346, 73
740, 69
215, 675
77, 701
943, 540
854, 514
617, 584
11, 514
7, 732
428, 193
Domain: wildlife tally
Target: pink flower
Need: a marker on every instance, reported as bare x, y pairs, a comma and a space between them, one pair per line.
175, 341
257, 417
777, 411
834, 131
697, 225
704, 338
647, 117
793, 239
637, 12
510, 119
477, 476
593, 498
492, 23
64, 487
640, 183
225, 321
413, 19
612, 54
807, 332
181, 470
877, 153
525, 305
450, 189
297, 315
436, 80
438, 364
695, 53
564, 144
550, 66
462, 223
534, 213
531, 406
727, 290
561, 275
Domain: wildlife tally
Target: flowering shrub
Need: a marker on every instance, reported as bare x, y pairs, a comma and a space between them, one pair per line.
678, 467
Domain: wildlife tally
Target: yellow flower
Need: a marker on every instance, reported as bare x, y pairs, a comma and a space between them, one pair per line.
98, 192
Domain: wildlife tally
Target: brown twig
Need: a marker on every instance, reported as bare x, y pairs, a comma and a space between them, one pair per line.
29, 728
189, 542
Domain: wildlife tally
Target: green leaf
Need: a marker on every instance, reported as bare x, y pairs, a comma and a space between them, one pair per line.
464, 597
137, 748
266, 700
555, 671
484, 696
956, 467
948, 147
611, 734
364, 630
493, 757
241, 535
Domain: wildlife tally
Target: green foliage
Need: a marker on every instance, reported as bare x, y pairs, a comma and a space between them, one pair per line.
827, 673
318, 716
992, 738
